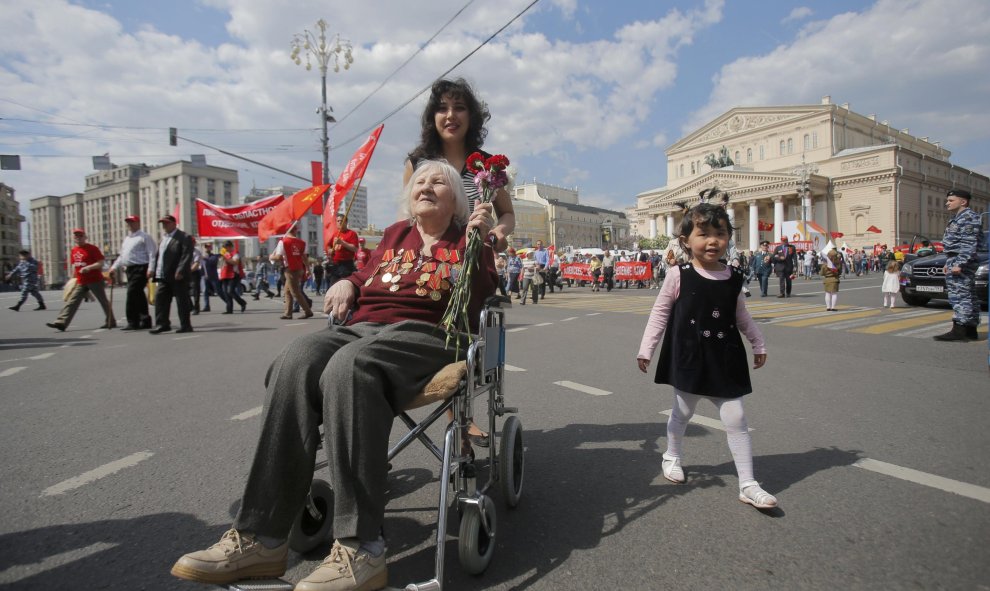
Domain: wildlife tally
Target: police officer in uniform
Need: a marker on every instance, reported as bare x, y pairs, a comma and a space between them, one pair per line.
963, 238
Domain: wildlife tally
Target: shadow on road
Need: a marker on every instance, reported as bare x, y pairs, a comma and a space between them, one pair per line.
583, 483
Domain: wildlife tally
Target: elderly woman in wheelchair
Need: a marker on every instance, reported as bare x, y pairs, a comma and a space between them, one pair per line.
354, 378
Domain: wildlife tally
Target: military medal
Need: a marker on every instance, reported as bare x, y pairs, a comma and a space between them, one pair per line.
435, 296
394, 287
420, 291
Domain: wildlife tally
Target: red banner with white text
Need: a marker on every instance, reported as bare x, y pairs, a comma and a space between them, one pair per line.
625, 271
236, 221
633, 271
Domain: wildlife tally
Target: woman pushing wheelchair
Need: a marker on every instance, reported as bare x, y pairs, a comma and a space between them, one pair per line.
354, 379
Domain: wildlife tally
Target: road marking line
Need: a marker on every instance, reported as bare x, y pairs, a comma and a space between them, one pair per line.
582, 388
297, 324
11, 371
569, 319
704, 421
521, 328
843, 289
923, 320
833, 318
513, 368
594, 314
86, 336
19, 572
247, 414
40, 356
192, 336
543, 324
96, 474
965, 489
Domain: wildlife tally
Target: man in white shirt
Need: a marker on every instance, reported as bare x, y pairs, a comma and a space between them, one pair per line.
138, 253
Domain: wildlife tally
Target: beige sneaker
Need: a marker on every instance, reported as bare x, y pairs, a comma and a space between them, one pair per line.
346, 569
236, 556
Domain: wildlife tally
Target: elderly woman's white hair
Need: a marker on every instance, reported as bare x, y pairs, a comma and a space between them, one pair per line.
454, 181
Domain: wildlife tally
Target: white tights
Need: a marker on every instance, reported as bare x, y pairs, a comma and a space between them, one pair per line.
733, 418
831, 300
889, 299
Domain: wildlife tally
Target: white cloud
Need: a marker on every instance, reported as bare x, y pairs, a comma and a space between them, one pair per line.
660, 140
919, 64
798, 14
546, 94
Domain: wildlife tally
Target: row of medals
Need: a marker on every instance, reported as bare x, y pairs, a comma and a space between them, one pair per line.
434, 276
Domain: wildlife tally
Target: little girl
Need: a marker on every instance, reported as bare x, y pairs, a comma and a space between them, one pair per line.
891, 283
702, 355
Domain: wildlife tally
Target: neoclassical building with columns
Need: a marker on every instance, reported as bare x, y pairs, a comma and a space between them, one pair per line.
848, 173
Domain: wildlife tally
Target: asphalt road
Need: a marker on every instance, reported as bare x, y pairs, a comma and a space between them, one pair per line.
121, 451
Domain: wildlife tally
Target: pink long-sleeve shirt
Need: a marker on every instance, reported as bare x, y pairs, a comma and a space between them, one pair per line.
669, 293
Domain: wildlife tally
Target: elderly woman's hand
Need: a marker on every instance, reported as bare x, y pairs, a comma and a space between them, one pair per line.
339, 299
482, 218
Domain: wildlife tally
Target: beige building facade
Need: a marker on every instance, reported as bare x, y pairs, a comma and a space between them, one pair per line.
10, 229
848, 173
52, 221
554, 215
112, 195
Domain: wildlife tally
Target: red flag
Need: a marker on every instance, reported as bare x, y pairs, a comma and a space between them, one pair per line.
278, 220
551, 250
875, 230
763, 226
175, 214
837, 234
352, 172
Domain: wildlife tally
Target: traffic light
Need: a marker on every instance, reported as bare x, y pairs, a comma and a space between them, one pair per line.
173, 136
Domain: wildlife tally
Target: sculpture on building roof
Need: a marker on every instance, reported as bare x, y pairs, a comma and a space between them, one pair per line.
722, 161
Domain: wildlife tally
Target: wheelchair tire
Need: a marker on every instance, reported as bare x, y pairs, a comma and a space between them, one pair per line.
475, 546
511, 462
308, 532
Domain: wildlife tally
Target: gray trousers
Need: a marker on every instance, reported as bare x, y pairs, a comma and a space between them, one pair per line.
354, 380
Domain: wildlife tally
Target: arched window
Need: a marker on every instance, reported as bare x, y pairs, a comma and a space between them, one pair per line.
762, 152
790, 145
681, 171
692, 168
807, 142
736, 159
749, 154
814, 139
782, 147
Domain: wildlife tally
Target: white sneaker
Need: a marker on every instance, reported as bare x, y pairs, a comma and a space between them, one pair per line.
672, 470
757, 497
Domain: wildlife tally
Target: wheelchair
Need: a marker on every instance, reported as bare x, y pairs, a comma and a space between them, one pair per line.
480, 373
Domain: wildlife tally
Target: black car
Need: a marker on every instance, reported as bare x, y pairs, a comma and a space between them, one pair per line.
923, 279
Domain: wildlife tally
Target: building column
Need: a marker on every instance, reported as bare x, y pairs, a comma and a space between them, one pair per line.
778, 217
670, 225
653, 227
754, 227
806, 203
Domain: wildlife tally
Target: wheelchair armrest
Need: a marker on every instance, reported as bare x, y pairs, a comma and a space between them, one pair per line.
498, 301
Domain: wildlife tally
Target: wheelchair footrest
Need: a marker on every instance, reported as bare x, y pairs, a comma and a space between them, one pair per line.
507, 410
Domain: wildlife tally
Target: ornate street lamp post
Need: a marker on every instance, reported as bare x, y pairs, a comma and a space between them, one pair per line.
317, 47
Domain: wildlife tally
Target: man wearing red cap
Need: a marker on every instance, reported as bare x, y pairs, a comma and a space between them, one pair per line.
137, 254
87, 260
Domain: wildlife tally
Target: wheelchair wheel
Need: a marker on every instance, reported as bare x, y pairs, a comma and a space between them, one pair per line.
510, 462
476, 546
309, 531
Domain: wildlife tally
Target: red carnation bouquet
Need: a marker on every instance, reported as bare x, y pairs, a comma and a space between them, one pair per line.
489, 176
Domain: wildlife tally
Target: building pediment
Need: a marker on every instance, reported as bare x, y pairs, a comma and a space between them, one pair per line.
743, 120
741, 186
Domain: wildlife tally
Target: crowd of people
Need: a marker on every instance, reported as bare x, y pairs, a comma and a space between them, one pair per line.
355, 376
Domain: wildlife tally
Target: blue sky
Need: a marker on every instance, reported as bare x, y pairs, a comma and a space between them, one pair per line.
582, 93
